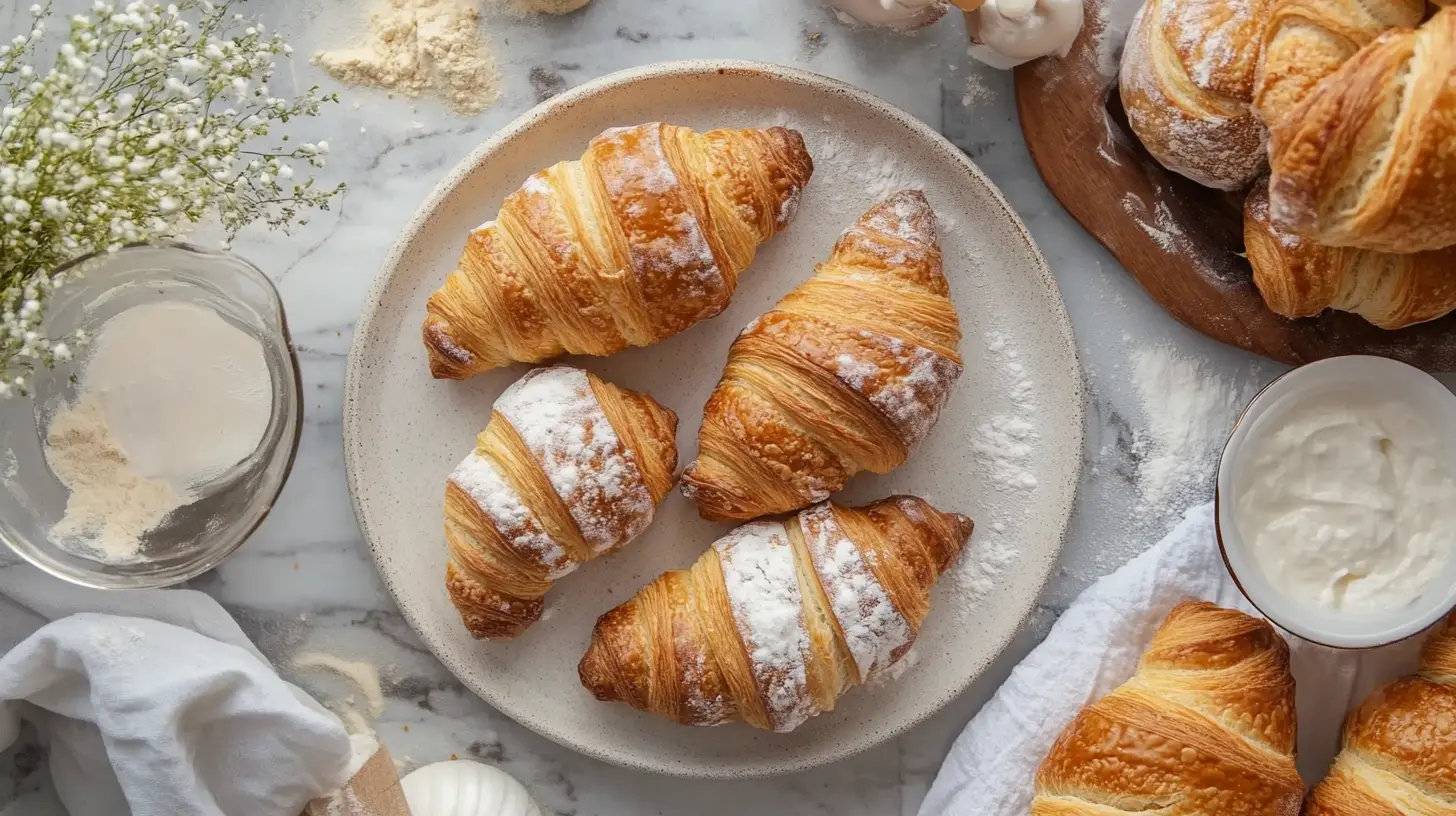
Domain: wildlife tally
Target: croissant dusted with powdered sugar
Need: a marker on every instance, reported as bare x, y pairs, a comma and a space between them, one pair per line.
1205, 728
848, 372
1368, 159
1187, 81
1307, 40
777, 619
570, 468
642, 237
1399, 755
1300, 278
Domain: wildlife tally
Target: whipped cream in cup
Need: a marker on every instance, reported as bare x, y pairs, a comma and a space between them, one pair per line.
1336, 501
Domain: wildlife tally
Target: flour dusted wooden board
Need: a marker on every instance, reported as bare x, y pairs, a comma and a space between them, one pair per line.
1182, 242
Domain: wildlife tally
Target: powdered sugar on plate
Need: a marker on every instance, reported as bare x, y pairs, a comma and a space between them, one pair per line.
1005, 446
763, 591
568, 433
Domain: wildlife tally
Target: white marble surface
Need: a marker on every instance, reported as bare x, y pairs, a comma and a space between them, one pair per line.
305, 582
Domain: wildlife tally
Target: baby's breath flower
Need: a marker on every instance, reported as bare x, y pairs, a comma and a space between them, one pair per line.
140, 126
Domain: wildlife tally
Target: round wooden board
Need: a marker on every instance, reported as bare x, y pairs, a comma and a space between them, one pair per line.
1181, 241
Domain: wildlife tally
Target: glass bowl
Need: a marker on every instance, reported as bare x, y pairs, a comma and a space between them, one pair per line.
198, 536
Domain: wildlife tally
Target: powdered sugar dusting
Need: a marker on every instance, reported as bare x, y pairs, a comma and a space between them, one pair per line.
703, 710
876, 173
568, 433
910, 384
680, 252
789, 207
517, 523
763, 591
873, 628
1005, 446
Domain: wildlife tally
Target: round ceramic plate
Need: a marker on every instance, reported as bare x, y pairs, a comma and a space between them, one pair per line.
1007, 450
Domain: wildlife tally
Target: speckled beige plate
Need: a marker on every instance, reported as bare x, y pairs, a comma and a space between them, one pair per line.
1007, 451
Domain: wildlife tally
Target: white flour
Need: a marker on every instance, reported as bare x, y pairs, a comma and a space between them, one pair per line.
876, 174
1004, 447
1189, 412
419, 47
364, 676
171, 397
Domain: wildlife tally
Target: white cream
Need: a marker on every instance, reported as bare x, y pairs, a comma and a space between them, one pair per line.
1345, 503
1007, 33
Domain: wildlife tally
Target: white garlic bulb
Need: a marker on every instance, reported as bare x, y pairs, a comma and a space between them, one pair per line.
1007, 33
903, 15
460, 787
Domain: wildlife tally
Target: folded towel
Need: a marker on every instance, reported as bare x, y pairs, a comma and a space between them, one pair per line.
1094, 647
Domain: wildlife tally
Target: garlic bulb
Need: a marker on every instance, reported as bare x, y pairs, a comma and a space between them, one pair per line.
1007, 33
460, 787
903, 15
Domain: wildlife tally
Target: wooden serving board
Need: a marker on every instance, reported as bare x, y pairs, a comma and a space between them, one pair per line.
1181, 241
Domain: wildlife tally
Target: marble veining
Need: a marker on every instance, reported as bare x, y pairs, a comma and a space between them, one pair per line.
304, 582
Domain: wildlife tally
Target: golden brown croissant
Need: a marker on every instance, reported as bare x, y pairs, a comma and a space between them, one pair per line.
1205, 728
847, 373
1307, 40
1399, 755
1368, 159
642, 237
1300, 278
1187, 80
569, 468
778, 618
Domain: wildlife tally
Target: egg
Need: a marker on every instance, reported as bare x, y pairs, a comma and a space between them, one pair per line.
465, 788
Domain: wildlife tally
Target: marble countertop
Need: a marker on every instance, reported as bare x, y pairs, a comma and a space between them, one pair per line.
305, 583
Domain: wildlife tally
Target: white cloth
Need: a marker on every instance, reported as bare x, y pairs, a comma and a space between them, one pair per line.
1095, 646
160, 706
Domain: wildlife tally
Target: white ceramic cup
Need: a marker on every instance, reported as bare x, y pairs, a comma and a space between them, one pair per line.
1354, 375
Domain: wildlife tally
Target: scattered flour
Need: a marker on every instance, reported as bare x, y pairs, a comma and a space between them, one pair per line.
977, 91
896, 670
877, 172
1160, 225
1189, 412
419, 47
363, 675
1004, 445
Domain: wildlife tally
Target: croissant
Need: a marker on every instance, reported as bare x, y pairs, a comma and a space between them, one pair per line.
641, 238
569, 468
1366, 160
1205, 728
848, 372
778, 618
1187, 81
1300, 278
1307, 40
1400, 744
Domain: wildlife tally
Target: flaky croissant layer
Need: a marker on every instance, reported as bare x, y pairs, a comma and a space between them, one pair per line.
1206, 727
642, 237
570, 468
848, 372
778, 618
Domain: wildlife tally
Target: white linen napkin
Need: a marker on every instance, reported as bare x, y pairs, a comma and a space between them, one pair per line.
1095, 646
158, 706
